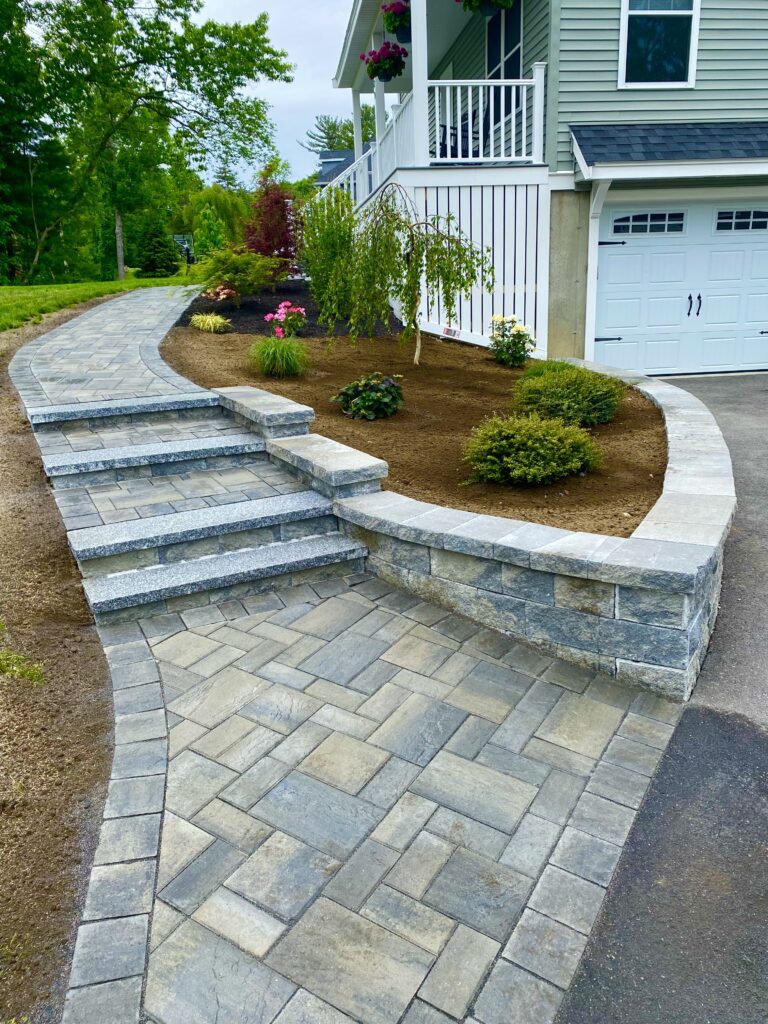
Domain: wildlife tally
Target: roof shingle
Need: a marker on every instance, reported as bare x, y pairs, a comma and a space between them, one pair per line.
672, 141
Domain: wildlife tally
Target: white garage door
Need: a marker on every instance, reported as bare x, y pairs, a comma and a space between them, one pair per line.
684, 288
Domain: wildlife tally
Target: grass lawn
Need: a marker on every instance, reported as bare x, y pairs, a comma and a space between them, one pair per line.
21, 304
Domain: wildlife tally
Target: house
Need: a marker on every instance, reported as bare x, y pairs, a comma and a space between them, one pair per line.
334, 161
612, 154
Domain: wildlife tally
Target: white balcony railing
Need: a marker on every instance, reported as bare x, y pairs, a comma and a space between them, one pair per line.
394, 149
486, 122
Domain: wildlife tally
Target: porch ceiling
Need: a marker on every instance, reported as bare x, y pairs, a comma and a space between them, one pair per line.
445, 21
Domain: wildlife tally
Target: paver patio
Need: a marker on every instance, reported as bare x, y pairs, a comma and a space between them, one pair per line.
376, 811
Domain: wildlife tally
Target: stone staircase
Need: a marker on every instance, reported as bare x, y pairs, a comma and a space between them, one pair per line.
174, 502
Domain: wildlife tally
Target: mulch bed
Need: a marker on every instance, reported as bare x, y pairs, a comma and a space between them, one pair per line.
55, 740
455, 387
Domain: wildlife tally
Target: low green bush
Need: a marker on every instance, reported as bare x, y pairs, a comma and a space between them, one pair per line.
280, 357
211, 323
538, 367
235, 271
573, 395
373, 397
528, 450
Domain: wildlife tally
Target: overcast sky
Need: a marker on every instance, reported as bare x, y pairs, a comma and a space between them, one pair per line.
312, 34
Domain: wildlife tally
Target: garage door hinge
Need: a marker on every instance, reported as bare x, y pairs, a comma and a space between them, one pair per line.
609, 339
612, 243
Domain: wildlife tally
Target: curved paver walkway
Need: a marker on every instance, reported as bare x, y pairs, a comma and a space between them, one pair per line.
375, 810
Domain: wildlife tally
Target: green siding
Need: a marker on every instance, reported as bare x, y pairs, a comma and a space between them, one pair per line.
535, 33
732, 70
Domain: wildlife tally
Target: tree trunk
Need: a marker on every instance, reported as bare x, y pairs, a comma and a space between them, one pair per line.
119, 245
418, 345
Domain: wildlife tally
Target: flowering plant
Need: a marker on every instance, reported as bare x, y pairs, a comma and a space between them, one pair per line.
397, 16
221, 292
385, 63
287, 320
511, 341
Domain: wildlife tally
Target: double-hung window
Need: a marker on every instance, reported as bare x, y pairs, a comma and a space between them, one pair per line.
658, 43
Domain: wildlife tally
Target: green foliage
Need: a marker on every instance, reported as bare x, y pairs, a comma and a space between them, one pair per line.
210, 232
573, 395
388, 255
18, 666
331, 132
372, 397
158, 256
528, 450
230, 204
511, 341
538, 367
280, 357
211, 323
327, 251
245, 272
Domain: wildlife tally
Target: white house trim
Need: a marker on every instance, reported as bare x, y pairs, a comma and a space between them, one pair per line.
694, 15
596, 203
664, 170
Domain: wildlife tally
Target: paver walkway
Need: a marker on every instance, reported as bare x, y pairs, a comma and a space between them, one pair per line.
375, 810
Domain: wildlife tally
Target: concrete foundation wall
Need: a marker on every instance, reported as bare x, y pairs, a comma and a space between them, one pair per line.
569, 231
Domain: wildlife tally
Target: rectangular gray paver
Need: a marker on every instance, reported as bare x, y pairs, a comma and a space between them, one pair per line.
361, 874
587, 856
513, 996
573, 901
419, 864
237, 919
453, 981
408, 918
191, 887
344, 762
546, 948
109, 950
460, 830
115, 1001
418, 729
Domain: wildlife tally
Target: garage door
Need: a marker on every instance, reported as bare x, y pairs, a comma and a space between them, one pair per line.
683, 289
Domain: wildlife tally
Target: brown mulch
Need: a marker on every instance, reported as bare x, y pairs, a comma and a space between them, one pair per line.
55, 739
455, 387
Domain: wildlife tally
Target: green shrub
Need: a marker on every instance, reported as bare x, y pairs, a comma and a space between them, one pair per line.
573, 395
373, 397
158, 256
528, 450
280, 357
511, 340
211, 323
539, 367
236, 269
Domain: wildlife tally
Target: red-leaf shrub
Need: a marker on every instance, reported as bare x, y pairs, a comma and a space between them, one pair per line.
272, 231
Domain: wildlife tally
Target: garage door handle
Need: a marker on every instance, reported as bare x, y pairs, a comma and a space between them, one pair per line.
690, 304
698, 308
620, 339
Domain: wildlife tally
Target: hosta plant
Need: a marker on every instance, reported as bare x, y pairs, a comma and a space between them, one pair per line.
279, 357
372, 397
211, 323
511, 341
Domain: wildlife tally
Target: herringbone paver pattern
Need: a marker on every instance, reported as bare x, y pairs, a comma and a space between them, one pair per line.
376, 811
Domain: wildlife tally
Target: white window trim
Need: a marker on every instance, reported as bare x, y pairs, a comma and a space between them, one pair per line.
692, 56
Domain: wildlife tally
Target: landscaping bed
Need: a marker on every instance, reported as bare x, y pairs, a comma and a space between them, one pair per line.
54, 738
455, 387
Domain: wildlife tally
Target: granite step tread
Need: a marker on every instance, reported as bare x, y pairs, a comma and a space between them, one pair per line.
143, 586
180, 527
50, 414
95, 460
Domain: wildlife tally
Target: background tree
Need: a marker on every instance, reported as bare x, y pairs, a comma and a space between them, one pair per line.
158, 256
210, 233
338, 132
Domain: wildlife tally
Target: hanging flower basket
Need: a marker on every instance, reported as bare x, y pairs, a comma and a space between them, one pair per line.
397, 20
486, 7
386, 63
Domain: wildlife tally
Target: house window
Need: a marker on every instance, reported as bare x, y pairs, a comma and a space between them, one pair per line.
504, 53
742, 220
649, 224
658, 43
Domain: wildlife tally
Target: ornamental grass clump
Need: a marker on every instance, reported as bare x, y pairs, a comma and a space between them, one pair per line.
528, 450
372, 397
211, 323
279, 357
573, 395
511, 341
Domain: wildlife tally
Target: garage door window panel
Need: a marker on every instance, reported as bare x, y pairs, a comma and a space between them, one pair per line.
658, 43
651, 223
742, 220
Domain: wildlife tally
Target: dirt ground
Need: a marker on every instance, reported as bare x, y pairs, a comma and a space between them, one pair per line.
55, 740
455, 387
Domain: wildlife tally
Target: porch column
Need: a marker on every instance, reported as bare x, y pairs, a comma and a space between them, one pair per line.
419, 55
539, 77
357, 124
381, 108
597, 199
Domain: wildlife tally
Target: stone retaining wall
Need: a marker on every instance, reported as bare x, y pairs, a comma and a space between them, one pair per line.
641, 608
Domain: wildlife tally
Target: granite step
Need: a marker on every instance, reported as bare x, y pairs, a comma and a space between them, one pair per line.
218, 572
47, 415
71, 465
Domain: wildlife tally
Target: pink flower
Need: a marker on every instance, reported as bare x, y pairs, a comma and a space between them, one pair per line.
279, 332
269, 317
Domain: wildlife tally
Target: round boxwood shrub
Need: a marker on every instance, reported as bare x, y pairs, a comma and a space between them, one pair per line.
538, 367
528, 450
573, 395
372, 397
279, 357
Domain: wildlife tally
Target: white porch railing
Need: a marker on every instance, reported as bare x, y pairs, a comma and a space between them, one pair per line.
394, 149
486, 122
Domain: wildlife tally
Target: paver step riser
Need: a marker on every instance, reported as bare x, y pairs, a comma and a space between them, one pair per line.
234, 592
160, 582
78, 412
127, 420
235, 539
105, 476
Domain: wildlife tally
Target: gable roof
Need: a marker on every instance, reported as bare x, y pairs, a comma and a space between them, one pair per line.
671, 141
